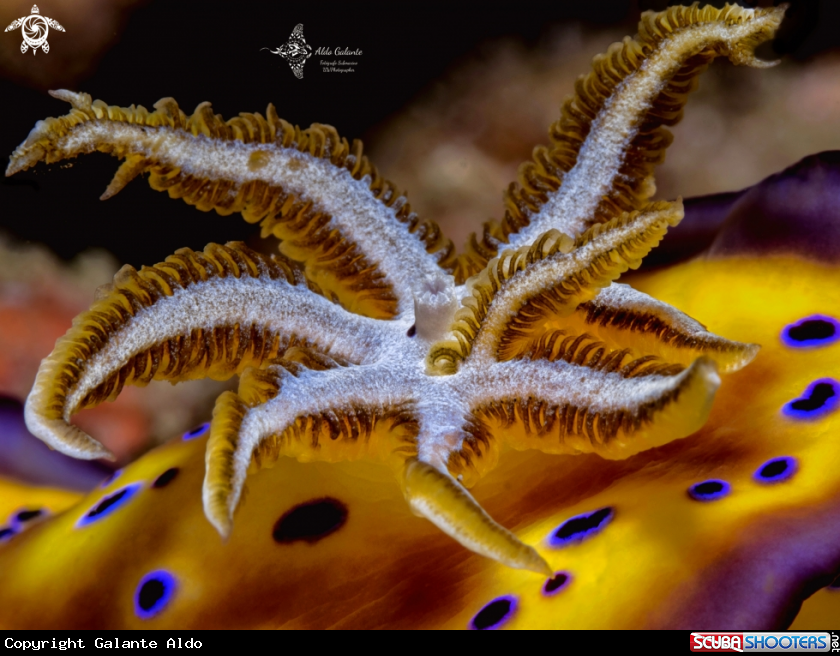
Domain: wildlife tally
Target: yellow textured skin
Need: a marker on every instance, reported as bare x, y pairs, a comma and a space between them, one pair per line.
16, 496
386, 568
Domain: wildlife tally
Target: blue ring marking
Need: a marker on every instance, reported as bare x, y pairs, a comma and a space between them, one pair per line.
557, 583
813, 331
821, 397
109, 504
710, 490
7, 533
776, 470
153, 594
494, 614
198, 431
580, 527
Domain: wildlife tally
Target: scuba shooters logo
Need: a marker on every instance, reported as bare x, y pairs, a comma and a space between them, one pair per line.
794, 641
35, 29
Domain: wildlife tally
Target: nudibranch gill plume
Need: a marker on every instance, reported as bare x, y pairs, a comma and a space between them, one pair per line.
367, 337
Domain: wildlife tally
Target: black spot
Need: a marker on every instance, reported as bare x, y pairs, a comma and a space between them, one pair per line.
835, 584
106, 503
820, 393
813, 329
151, 592
310, 521
581, 526
412, 331
6, 533
555, 583
705, 489
819, 399
493, 614
166, 477
26, 515
154, 593
709, 490
774, 469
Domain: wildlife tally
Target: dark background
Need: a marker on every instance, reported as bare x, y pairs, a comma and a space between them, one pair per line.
211, 51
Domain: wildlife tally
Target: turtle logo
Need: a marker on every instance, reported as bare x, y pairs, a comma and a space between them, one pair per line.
35, 29
296, 51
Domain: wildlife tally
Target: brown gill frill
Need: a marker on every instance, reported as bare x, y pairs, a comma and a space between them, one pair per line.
553, 407
345, 262
522, 290
544, 353
286, 409
195, 315
675, 46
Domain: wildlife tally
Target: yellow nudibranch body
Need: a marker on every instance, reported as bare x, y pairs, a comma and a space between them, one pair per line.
367, 345
321, 545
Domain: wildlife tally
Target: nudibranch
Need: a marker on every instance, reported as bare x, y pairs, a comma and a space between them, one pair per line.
727, 529
367, 338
